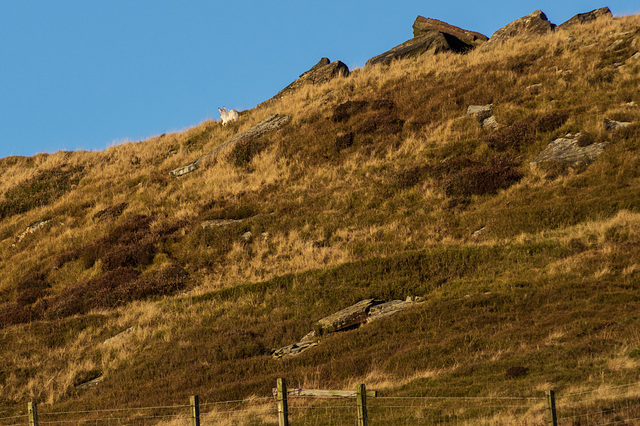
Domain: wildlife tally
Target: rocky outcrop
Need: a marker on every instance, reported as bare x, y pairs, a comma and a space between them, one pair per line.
430, 42
35, 226
321, 72
583, 18
269, 124
484, 115
423, 25
572, 150
533, 25
362, 312
612, 125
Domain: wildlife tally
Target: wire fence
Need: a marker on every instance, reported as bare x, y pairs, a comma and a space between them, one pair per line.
616, 405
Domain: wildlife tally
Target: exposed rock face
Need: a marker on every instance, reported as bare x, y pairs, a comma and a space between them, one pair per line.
362, 312
568, 150
35, 226
611, 125
321, 72
423, 25
533, 25
583, 18
432, 42
269, 124
481, 112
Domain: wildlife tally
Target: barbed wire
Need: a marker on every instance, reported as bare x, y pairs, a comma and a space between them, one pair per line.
509, 398
569, 395
167, 407
14, 417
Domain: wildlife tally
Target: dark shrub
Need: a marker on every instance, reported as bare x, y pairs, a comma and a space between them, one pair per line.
517, 371
411, 177
479, 179
551, 121
245, 150
169, 280
110, 212
13, 313
344, 140
129, 255
344, 111
380, 123
519, 134
585, 139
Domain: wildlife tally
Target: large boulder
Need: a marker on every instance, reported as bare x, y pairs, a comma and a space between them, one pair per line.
583, 18
423, 25
431, 42
533, 25
572, 150
321, 72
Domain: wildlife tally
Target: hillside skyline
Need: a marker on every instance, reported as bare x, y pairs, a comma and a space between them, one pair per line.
86, 77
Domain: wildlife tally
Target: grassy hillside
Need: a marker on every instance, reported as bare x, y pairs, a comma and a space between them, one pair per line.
374, 189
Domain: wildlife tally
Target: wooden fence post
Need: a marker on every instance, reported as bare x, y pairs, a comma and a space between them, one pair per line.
32, 407
361, 396
195, 410
283, 410
552, 417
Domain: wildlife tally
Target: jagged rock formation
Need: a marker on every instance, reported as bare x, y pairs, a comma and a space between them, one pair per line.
583, 18
431, 36
532, 25
321, 72
355, 315
484, 115
423, 25
269, 124
571, 150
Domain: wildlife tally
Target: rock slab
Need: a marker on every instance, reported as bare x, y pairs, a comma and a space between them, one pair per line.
423, 25
322, 72
583, 18
429, 42
568, 151
530, 26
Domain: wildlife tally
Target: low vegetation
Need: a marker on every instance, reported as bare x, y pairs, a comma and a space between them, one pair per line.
379, 187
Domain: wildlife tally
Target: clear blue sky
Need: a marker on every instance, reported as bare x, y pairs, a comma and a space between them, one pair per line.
89, 74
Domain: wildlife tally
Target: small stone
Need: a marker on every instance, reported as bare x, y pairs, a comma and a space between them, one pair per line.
481, 112
612, 125
246, 237
490, 123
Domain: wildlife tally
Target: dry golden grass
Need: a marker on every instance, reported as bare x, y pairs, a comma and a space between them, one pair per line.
314, 209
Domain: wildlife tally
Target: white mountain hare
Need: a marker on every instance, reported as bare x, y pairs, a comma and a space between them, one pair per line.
228, 115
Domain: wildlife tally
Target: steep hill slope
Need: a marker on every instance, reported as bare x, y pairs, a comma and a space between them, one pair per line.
379, 186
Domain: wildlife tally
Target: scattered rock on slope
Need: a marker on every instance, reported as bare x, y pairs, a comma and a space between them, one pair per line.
362, 312
583, 18
321, 72
533, 25
570, 150
611, 125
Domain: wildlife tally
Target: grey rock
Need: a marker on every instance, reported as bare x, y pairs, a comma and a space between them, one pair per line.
246, 237
567, 150
490, 123
388, 308
430, 42
292, 350
219, 223
481, 112
348, 317
423, 25
583, 18
533, 25
34, 227
321, 72
612, 125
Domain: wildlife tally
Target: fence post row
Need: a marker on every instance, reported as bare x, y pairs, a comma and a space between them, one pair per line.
283, 410
361, 398
552, 417
195, 410
32, 408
